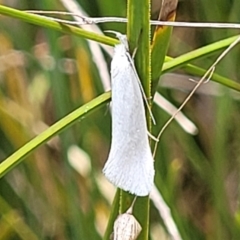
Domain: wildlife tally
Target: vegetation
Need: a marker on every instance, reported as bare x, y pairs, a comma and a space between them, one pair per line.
55, 123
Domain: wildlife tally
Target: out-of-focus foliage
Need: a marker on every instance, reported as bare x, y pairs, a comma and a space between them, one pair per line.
59, 191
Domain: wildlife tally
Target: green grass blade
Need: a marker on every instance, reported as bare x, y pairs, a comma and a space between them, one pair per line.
202, 52
206, 51
138, 30
197, 71
113, 215
161, 39
50, 24
55, 129
16, 223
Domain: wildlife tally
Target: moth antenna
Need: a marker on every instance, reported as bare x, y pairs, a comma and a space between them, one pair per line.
142, 90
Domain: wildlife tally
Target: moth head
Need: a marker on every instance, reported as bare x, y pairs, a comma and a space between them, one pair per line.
122, 38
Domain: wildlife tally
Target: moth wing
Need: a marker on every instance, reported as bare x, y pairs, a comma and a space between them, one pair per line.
130, 162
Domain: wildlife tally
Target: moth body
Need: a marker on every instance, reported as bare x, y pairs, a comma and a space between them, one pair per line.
130, 162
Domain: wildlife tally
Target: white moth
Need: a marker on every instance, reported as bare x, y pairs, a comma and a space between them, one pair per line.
130, 161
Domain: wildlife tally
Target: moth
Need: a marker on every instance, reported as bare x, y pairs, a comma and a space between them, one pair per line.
130, 162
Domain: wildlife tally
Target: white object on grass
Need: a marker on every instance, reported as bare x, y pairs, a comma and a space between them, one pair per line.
130, 162
126, 226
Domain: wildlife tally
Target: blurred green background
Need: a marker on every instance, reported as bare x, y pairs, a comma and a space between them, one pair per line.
59, 191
